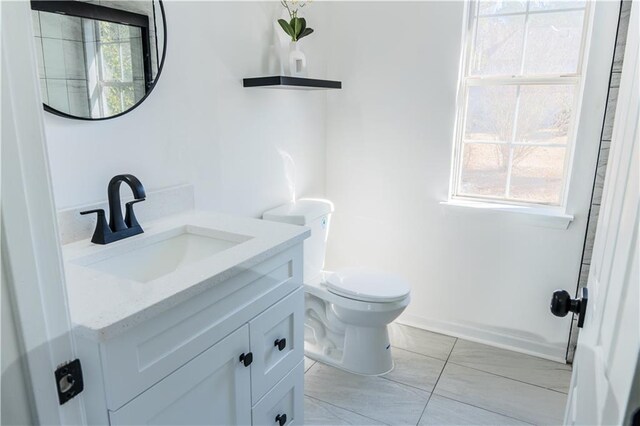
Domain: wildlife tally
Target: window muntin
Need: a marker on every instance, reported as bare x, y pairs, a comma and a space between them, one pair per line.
520, 86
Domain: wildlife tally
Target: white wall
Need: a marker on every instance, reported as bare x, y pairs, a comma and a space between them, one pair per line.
14, 404
387, 140
200, 125
484, 276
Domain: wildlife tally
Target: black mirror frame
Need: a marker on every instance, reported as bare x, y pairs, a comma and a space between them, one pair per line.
151, 87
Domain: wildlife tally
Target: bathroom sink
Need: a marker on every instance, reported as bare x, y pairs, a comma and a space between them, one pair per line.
115, 286
164, 254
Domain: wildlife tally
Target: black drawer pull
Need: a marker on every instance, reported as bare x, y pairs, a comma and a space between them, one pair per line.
280, 343
246, 359
281, 419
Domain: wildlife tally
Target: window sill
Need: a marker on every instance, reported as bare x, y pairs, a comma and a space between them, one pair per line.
547, 217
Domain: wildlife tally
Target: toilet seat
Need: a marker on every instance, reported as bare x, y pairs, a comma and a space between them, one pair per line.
367, 285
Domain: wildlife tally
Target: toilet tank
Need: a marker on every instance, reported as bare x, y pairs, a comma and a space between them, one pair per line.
314, 213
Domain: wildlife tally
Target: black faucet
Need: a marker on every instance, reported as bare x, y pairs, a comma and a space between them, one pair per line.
118, 228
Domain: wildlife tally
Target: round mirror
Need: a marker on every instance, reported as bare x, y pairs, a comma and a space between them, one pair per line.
98, 60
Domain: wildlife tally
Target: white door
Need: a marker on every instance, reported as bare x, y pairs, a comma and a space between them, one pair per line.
214, 388
609, 343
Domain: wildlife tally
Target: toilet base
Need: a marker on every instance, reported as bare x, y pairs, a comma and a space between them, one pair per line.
366, 352
349, 334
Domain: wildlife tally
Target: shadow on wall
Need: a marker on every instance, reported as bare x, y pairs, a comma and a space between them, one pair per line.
16, 401
15, 408
17, 404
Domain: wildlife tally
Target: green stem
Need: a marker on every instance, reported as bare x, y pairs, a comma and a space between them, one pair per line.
284, 3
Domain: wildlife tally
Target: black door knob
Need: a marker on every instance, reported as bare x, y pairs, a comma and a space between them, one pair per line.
280, 343
562, 304
246, 359
281, 419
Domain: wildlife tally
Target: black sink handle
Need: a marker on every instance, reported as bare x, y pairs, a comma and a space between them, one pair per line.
129, 216
102, 230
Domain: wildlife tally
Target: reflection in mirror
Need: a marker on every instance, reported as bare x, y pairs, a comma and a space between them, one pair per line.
97, 59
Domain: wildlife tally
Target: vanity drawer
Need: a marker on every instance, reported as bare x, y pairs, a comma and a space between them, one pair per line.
277, 342
285, 399
142, 356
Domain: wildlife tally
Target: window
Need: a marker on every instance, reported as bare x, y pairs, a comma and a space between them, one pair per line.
100, 61
520, 85
119, 80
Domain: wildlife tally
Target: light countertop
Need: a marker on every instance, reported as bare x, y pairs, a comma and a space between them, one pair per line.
103, 305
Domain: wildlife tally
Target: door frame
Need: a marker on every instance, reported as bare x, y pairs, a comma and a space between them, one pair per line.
31, 251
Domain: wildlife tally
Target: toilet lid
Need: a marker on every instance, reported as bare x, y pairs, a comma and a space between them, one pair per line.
368, 285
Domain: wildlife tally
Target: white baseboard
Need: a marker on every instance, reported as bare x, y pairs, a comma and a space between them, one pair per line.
487, 337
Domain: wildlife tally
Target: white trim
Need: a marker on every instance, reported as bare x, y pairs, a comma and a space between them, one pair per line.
499, 340
519, 80
531, 12
31, 250
536, 215
496, 142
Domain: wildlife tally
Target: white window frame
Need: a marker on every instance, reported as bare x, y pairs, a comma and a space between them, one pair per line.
97, 81
103, 83
467, 80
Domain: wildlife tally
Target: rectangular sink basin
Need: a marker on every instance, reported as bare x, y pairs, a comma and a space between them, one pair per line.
166, 253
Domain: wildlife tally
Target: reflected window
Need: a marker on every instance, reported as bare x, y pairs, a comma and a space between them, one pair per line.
117, 81
95, 61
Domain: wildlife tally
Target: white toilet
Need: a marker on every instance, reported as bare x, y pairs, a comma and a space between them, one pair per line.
346, 311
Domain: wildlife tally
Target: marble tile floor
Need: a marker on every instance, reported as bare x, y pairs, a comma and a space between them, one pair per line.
440, 380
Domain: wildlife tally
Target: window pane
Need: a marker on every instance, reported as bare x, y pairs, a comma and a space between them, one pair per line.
112, 100
111, 70
128, 97
553, 43
108, 31
537, 174
137, 58
498, 48
138, 90
545, 114
490, 112
516, 132
555, 5
127, 66
124, 32
502, 6
484, 169
135, 32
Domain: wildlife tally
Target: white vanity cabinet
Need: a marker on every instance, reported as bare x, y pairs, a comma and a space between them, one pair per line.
211, 389
232, 354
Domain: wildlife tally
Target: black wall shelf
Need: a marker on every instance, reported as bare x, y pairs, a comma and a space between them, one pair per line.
286, 82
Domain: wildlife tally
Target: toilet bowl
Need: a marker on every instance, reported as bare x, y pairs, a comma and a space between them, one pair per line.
346, 311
